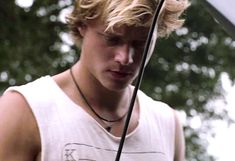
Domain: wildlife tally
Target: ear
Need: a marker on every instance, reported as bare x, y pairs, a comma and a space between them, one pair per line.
82, 30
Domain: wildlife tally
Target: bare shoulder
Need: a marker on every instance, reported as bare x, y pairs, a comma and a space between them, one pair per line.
179, 140
19, 136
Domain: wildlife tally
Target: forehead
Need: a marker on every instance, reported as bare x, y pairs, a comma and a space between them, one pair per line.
123, 31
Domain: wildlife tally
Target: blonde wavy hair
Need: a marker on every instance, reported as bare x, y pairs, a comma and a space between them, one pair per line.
115, 13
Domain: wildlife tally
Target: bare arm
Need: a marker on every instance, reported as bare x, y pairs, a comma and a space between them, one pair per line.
179, 141
19, 138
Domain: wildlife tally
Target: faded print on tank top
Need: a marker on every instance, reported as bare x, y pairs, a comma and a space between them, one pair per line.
86, 152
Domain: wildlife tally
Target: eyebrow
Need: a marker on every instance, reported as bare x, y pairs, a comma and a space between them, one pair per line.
109, 34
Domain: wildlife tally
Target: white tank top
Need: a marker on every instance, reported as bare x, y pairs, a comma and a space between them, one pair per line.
68, 133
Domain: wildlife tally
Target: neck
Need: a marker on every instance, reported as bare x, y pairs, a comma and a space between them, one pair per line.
101, 98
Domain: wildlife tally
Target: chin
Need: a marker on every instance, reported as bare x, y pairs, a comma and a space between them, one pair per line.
116, 86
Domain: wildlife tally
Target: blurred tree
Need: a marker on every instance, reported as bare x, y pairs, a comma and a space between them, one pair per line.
31, 43
184, 72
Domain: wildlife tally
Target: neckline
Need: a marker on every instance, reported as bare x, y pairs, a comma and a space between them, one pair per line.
77, 107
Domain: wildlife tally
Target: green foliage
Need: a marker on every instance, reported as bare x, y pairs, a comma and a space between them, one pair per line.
30, 41
183, 72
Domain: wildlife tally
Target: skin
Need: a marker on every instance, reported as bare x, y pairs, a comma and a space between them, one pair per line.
108, 64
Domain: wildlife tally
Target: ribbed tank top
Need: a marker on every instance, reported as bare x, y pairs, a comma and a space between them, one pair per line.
68, 133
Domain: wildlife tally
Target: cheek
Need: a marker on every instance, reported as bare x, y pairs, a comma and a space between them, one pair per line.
101, 56
107, 53
96, 50
137, 57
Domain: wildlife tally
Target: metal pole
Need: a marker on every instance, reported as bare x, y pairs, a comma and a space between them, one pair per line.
148, 45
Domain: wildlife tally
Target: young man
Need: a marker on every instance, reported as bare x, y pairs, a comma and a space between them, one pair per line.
79, 114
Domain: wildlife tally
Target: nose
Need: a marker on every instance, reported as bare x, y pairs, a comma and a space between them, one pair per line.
124, 54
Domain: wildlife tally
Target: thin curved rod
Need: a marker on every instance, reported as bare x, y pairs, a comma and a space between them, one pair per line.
149, 44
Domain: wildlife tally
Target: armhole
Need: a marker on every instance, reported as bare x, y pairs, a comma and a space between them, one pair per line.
30, 119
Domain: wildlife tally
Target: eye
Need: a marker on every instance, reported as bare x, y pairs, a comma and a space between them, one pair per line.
112, 40
138, 44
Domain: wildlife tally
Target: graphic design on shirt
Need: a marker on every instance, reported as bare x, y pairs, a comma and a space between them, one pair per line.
85, 152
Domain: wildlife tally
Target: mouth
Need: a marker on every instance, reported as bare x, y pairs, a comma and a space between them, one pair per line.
120, 74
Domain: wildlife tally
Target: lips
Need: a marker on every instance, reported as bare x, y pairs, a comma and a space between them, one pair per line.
120, 74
